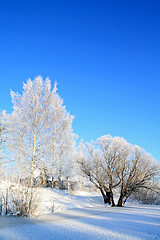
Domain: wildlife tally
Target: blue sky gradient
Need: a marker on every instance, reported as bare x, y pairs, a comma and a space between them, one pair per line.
105, 56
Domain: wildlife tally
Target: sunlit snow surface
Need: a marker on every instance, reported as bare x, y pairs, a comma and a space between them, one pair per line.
83, 216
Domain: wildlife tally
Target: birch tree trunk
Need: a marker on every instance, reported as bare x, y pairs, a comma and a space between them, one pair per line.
20, 161
54, 156
33, 160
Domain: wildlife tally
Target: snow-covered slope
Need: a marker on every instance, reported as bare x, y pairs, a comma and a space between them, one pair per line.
60, 201
83, 216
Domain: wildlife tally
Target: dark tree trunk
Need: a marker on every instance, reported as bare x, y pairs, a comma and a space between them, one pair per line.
7, 202
106, 196
52, 183
120, 201
112, 199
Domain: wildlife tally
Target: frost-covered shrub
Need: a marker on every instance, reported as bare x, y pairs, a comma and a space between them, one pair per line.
25, 201
147, 196
4, 198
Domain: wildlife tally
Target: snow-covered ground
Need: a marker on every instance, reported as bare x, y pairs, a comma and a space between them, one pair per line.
61, 200
83, 216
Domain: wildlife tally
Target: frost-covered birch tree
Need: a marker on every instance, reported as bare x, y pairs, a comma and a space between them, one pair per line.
2, 142
1, 138
15, 134
38, 125
34, 107
1, 146
61, 130
67, 153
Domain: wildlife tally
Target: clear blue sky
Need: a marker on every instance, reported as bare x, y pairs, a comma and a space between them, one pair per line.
105, 56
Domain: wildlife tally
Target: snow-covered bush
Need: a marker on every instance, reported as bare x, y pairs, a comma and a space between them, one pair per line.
147, 196
24, 201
